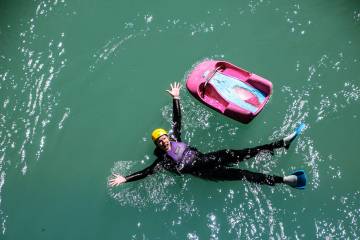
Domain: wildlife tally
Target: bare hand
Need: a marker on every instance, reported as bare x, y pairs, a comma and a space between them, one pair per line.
116, 180
175, 90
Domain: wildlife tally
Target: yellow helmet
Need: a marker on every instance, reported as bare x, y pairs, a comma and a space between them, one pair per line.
158, 133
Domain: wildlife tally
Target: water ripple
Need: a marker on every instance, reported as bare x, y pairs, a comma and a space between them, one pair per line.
29, 101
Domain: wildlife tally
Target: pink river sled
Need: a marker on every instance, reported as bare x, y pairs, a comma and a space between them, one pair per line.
228, 89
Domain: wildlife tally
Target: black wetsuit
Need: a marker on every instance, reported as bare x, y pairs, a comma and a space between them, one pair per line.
213, 166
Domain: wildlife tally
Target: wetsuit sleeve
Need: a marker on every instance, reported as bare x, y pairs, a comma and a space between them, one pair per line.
145, 172
177, 119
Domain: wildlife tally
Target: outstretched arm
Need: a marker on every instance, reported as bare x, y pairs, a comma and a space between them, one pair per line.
118, 179
175, 93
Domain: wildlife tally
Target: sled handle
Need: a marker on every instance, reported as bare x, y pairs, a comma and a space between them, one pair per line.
208, 79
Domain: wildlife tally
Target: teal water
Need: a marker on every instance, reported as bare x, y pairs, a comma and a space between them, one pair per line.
82, 86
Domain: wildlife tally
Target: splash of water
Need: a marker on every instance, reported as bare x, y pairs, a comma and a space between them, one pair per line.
29, 99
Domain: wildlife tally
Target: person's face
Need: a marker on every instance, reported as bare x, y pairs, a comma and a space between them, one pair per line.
164, 143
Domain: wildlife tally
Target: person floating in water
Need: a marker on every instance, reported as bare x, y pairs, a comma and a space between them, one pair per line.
176, 156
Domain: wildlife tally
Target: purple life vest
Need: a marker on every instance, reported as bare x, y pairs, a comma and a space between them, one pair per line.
181, 153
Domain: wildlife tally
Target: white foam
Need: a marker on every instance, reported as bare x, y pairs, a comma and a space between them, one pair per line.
64, 117
148, 18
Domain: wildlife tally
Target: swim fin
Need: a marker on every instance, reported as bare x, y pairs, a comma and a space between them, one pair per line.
301, 179
299, 129
288, 139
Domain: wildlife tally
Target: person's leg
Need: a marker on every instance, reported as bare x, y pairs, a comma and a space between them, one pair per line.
232, 174
231, 156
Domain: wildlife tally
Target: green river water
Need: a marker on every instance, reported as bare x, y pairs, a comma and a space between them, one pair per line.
82, 86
